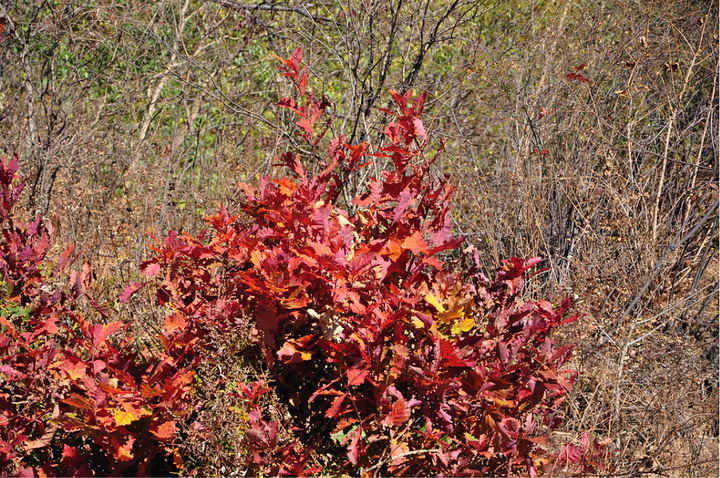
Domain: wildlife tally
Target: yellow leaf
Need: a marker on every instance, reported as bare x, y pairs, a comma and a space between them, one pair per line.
464, 325
129, 414
432, 300
435, 332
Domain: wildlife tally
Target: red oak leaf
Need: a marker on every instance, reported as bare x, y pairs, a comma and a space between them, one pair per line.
130, 291
356, 376
415, 243
399, 414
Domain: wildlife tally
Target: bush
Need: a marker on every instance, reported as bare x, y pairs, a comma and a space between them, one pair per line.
381, 352
390, 357
72, 401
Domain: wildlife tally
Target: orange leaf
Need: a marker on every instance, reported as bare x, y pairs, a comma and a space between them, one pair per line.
178, 383
129, 414
287, 186
175, 321
124, 453
394, 248
415, 243
74, 371
165, 431
150, 392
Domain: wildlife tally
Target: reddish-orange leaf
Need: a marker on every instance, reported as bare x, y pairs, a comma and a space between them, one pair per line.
164, 431
78, 401
321, 249
175, 321
433, 262
124, 452
399, 414
102, 332
335, 407
398, 452
356, 448
71, 453
306, 126
292, 351
179, 381
130, 291
295, 302
416, 243
86, 276
356, 376
150, 269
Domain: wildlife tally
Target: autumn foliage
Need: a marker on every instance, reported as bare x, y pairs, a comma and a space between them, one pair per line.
77, 396
391, 358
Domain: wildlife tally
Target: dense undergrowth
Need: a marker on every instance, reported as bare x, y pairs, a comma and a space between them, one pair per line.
582, 132
386, 355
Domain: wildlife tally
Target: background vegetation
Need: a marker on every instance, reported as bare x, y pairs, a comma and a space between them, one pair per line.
583, 132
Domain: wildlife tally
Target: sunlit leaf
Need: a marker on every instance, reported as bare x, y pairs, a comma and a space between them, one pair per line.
164, 431
432, 300
124, 452
416, 243
129, 413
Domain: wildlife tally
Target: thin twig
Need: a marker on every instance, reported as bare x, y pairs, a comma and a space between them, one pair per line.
246, 7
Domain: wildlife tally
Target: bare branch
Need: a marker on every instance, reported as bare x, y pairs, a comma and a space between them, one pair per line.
246, 7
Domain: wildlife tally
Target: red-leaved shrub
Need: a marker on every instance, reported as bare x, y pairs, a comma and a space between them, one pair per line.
74, 402
387, 357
